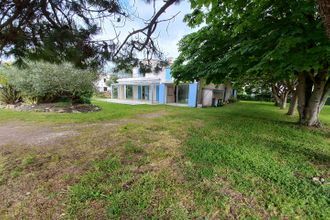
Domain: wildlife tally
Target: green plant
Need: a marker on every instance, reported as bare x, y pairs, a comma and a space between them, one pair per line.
46, 82
232, 100
8, 94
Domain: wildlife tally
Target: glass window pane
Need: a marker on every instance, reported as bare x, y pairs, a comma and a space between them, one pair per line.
115, 92
145, 92
183, 94
129, 92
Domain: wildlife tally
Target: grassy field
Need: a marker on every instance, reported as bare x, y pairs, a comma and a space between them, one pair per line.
243, 160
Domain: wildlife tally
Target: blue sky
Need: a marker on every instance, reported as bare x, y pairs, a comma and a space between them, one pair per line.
169, 33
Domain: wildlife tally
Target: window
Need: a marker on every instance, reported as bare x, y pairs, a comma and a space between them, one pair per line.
115, 92
104, 80
129, 92
145, 92
182, 94
105, 89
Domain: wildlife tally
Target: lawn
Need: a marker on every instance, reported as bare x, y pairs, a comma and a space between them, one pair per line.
243, 160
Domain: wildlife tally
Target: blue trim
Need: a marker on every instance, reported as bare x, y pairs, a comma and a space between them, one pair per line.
192, 98
168, 76
139, 92
162, 99
157, 93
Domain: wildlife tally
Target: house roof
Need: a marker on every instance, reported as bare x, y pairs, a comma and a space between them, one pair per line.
139, 81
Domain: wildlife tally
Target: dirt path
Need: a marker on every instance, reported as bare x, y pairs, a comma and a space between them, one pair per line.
39, 161
23, 133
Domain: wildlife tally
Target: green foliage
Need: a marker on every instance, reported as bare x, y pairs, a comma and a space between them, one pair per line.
113, 80
8, 94
46, 82
252, 39
57, 31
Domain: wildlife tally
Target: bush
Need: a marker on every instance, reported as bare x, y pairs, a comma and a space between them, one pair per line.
8, 94
232, 100
46, 82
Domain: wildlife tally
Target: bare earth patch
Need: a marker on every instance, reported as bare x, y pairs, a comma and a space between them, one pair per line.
38, 162
20, 133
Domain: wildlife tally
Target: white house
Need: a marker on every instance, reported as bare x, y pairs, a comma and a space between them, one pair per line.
160, 88
101, 84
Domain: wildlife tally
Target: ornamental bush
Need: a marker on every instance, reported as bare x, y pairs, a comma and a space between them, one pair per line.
46, 82
8, 94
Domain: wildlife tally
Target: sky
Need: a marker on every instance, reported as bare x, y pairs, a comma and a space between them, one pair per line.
169, 33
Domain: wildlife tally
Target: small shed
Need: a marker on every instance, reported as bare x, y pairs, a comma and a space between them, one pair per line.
212, 97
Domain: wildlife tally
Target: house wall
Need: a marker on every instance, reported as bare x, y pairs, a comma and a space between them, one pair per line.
207, 97
229, 92
101, 83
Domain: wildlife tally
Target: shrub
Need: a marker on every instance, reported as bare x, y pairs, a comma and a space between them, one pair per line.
46, 82
232, 100
8, 94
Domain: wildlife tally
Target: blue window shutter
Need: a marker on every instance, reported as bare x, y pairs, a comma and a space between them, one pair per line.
192, 98
162, 88
168, 75
157, 93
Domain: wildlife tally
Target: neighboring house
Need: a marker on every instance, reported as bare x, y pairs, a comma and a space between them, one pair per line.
160, 88
101, 84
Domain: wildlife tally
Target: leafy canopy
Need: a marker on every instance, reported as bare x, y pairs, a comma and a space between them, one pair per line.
252, 39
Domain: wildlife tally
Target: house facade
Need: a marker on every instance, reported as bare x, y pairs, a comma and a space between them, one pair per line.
101, 83
160, 88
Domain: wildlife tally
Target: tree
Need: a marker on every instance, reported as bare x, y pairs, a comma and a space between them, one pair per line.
249, 39
63, 30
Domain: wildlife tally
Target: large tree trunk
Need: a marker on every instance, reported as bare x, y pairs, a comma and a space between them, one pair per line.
293, 103
324, 8
312, 93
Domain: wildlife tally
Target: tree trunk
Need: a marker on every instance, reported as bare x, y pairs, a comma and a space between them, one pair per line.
280, 91
312, 92
277, 99
293, 103
284, 100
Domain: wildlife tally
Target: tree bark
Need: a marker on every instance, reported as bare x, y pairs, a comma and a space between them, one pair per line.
293, 103
277, 99
280, 91
284, 100
312, 91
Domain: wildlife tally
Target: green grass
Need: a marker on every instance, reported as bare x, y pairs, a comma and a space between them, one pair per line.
109, 112
244, 160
